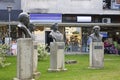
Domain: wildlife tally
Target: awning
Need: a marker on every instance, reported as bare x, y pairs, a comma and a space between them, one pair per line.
7, 23
80, 24
69, 24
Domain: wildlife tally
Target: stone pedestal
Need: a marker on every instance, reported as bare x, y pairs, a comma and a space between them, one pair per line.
96, 55
35, 61
24, 59
56, 56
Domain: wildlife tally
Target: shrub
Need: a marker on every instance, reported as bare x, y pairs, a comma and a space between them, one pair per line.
3, 51
42, 53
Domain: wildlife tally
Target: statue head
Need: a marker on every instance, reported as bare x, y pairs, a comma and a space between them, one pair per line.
96, 29
54, 27
96, 36
31, 27
24, 18
55, 34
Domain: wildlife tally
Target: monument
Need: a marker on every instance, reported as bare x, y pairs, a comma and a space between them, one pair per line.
96, 49
25, 50
56, 50
23, 25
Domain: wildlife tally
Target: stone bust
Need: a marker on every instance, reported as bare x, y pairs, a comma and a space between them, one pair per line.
96, 36
55, 34
24, 23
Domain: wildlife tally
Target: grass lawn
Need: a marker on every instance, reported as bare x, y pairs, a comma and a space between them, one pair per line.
78, 71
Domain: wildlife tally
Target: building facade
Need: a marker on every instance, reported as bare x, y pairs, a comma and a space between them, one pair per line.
77, 15
72, 7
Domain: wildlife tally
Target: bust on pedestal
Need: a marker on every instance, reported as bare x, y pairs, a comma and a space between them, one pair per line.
25, 50
96, 49
56, 50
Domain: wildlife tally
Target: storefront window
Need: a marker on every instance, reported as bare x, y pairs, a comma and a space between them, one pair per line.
3, 33
111, 4
85, 39
73, 39
14, 31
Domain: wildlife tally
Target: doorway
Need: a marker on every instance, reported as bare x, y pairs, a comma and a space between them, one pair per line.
48, 40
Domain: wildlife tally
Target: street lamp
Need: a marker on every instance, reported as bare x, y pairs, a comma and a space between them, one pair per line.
9, 8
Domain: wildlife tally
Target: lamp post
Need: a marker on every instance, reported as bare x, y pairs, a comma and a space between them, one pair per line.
9, 8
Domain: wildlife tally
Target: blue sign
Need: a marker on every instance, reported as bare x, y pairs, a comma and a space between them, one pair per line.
35, 17
105, 34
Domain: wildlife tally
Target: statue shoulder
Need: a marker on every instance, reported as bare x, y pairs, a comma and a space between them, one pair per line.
101, 35
20, 25
51, 32
91, 35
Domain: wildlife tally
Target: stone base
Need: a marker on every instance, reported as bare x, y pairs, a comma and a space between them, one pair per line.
57, 57
22, 79
24, 59
36, 75
70, 62
95, 67
56, 70
96, 56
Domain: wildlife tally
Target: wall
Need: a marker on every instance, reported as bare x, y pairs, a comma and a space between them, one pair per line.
39, 36
72, 7
15, 4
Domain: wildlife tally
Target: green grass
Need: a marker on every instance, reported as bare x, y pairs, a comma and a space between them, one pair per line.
78, 71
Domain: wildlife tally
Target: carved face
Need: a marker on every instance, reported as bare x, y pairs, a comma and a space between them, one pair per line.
55, 27
96, 30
